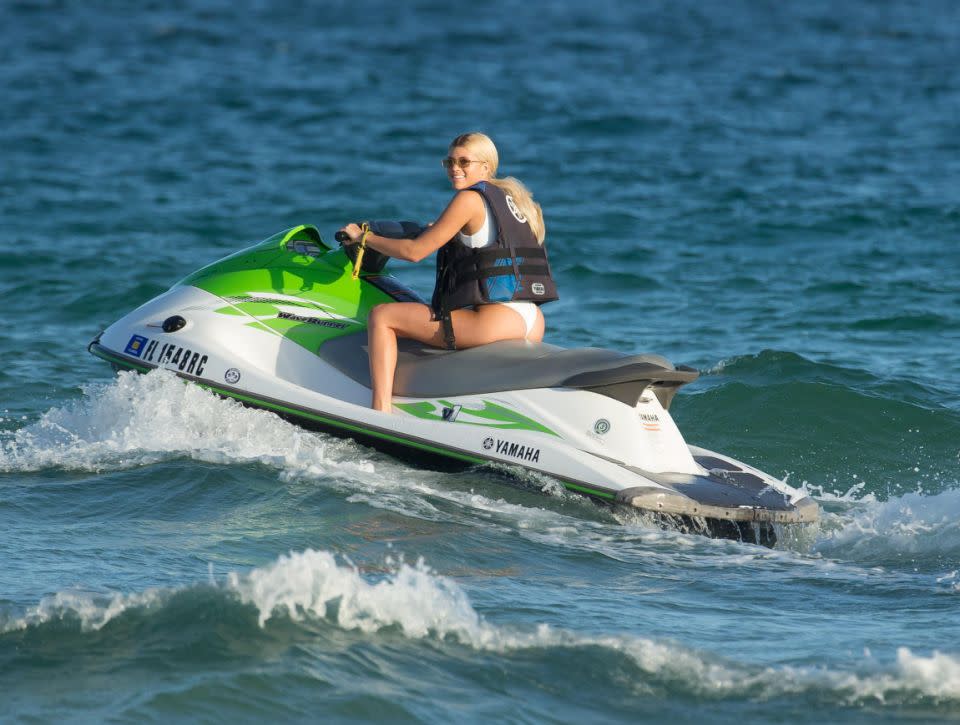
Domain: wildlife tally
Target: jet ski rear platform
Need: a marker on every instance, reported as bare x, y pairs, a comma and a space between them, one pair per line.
282, 326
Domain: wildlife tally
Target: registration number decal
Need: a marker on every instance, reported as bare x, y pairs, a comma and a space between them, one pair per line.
170, 355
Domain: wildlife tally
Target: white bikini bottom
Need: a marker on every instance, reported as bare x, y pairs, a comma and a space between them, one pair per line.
526, 310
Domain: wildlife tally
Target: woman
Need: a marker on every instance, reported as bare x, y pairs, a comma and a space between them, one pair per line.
484, 296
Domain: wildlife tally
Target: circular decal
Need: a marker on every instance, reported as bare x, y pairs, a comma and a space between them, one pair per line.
232, 376
488, 443
537, 288
601, 426
515, 210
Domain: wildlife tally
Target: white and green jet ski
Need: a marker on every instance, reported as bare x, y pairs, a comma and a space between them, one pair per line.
282, 326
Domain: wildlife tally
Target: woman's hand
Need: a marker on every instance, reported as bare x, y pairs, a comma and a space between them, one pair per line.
353, 231
465, 206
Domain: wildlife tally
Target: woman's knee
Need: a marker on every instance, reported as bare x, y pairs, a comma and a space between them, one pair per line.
379, 316
405, 319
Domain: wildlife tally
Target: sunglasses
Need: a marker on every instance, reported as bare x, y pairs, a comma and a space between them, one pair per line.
461, 163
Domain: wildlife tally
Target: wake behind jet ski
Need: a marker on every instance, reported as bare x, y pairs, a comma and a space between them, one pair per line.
282, 326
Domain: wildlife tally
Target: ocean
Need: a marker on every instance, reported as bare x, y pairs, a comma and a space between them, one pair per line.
765, 191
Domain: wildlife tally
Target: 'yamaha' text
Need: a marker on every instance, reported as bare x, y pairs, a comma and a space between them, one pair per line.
515, 450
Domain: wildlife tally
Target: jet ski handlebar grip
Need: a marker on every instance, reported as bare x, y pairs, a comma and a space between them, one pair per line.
361, 249
342, 237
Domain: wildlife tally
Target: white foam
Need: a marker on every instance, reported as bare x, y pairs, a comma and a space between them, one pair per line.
313, 583
937, 675
137, 420
535, 479
720, 366
916, 524
93, 611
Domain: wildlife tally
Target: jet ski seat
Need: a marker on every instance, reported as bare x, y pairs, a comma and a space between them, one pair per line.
429, 372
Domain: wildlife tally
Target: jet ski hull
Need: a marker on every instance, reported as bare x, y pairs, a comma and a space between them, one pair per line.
284, 331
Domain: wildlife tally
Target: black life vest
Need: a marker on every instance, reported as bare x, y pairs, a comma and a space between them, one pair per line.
515, 269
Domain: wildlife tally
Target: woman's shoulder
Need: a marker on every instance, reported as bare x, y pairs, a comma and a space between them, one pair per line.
470, 193
470, 199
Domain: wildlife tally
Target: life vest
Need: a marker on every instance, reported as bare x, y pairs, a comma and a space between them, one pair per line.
514, 269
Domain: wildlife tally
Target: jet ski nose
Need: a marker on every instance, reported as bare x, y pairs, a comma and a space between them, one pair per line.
173, 323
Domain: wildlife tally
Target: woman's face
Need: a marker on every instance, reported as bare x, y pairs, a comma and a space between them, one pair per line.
464, 169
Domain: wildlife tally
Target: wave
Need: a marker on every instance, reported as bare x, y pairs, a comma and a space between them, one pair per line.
310, 589
904, 323
825, 424
609, 280
772, 367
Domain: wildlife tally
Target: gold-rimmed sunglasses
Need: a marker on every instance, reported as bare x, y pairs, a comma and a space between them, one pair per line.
461, 163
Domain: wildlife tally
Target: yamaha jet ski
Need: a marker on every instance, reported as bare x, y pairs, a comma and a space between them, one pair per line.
282, 326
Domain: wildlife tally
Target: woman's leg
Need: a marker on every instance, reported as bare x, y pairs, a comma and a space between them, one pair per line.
386, 323
486, 324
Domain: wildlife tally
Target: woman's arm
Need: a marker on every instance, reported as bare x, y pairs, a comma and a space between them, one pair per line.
464, 207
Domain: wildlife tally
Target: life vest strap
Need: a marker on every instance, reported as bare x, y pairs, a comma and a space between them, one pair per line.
530, 270
520, 259
489, 254
446, 324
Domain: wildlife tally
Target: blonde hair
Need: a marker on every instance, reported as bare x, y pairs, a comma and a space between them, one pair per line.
483, 148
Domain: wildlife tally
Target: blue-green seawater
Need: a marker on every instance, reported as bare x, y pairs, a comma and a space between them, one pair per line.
766, 191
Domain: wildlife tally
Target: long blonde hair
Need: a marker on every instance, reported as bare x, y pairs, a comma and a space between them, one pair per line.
482, 146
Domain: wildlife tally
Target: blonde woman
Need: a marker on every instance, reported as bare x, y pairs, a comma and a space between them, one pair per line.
492, 269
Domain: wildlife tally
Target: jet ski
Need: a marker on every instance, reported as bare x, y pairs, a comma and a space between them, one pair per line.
281, 326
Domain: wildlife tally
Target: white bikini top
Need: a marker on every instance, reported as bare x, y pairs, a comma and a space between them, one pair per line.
486, 235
